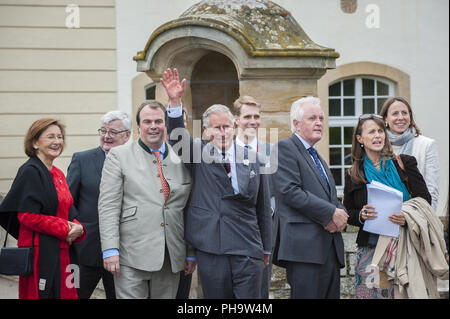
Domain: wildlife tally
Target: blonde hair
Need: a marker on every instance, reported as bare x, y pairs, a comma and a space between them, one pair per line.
244, 100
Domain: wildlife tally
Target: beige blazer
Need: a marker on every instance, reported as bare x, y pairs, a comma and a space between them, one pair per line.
132, 214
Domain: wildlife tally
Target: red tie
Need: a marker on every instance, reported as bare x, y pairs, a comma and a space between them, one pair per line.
165, 185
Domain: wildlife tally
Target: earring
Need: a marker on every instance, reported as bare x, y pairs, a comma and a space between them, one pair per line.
387, 125
362, 146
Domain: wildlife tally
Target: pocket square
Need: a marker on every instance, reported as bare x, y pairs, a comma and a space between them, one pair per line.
252, 174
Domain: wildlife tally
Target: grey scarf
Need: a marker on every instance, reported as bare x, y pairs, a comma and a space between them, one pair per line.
405, 140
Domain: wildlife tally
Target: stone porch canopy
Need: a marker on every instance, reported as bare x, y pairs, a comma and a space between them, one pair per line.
274, 59
255, 34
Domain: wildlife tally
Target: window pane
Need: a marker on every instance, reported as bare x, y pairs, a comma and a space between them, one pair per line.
335, 135
380, 103
347, 156
368, 87
368, 106
335, 89
348, 135
349, 87
337, 176
382, 89
335, 156
349, 107
334, 107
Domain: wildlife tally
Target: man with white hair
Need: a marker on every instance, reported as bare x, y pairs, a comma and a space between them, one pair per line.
311, 217
228, 218
83, 177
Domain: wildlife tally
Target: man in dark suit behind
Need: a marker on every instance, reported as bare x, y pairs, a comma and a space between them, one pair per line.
228, 218
247, 115
83, 177
311, 217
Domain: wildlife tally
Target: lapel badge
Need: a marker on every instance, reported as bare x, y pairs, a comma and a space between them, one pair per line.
252, 174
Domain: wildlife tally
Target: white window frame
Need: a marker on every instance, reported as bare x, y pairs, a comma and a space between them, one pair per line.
351, 121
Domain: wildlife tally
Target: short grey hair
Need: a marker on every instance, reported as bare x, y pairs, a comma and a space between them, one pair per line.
117, 115
297, 109
216, 108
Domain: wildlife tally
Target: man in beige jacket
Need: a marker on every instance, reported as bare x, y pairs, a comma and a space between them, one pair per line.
143, 192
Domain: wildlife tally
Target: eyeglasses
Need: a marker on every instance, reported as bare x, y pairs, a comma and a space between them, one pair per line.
370, 116
112, 133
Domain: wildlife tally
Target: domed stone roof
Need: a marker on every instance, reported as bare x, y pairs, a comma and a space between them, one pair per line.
262, 28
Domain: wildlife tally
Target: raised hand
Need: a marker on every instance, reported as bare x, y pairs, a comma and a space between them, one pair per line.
174, 88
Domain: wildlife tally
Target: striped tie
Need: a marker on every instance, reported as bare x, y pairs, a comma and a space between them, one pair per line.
164, 184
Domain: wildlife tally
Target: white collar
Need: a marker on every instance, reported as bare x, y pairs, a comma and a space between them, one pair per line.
305, 143
253, 144
229, 154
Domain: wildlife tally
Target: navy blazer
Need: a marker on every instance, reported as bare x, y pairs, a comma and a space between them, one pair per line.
83, 177
305, 205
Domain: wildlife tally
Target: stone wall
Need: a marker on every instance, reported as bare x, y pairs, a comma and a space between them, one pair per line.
280, 289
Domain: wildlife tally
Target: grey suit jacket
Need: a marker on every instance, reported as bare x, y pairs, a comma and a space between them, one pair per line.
305, 205
219, 221
83, 177
133, 216
271, 163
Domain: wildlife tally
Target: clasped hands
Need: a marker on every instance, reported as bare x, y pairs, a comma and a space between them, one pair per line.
338, 222
75, 231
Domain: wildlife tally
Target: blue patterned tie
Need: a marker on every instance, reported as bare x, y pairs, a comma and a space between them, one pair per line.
313, 153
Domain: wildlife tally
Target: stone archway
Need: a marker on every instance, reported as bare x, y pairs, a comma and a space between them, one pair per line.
214, 80
275, 60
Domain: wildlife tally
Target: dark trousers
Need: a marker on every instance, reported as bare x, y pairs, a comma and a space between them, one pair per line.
89, 278
184, 287
266, 277
229, 276
315, 281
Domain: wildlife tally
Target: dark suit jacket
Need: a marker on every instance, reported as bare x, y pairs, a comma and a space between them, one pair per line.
264, 151
83, 177
217, 220
305, 206
355, 195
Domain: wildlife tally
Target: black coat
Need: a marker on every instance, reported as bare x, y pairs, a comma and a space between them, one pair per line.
33, 191
355, 195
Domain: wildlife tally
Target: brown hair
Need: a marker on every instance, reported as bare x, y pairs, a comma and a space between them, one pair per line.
248, 100
356, 172
388, 103
35, 131
153, 104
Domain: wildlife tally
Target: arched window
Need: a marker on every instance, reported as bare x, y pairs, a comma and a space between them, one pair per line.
348, 98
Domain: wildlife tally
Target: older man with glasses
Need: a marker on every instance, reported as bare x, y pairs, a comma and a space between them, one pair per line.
83, 178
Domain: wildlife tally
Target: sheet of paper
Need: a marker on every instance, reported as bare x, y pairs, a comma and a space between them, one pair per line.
386, 201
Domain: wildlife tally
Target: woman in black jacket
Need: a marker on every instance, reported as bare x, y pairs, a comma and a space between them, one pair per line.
373, 160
